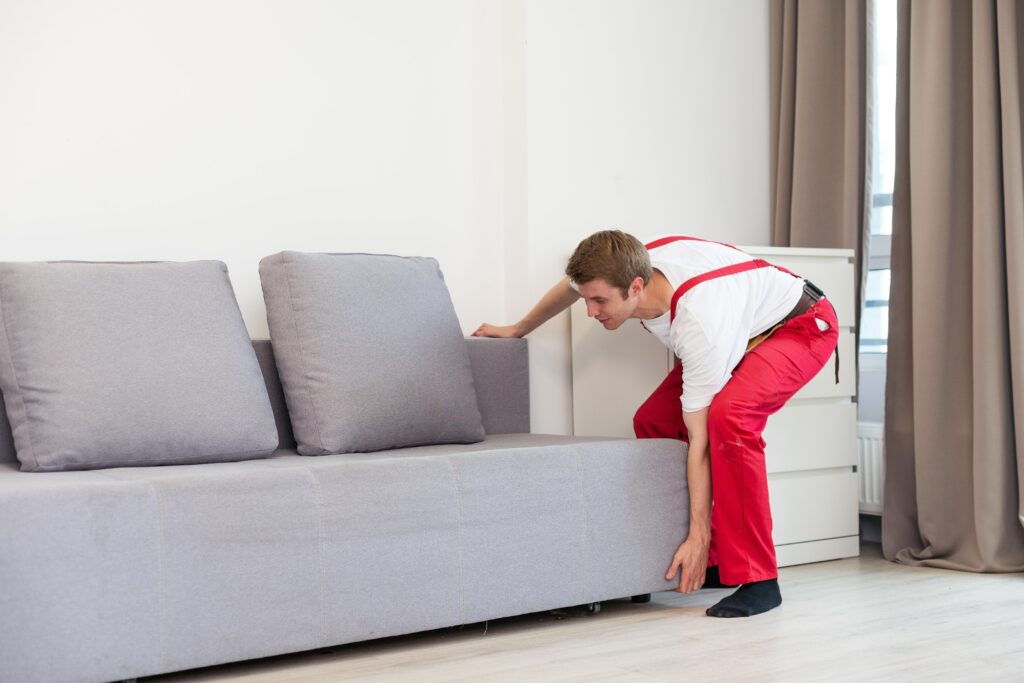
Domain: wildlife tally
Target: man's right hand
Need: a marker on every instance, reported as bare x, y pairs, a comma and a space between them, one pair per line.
502, 332
557, 299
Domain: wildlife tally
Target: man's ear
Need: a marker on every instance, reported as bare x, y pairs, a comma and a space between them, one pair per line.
636, 286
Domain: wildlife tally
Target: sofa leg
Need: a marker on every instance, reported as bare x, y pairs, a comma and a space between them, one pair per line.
646, 597
576, 610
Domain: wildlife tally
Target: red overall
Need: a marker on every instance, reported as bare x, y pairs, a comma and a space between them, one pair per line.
766, 377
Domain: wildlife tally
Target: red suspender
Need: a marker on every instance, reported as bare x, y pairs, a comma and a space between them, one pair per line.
711, 274
678, 238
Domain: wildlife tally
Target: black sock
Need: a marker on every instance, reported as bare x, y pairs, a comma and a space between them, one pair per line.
713, 580
748, 600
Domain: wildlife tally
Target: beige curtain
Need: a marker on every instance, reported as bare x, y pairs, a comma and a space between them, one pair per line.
818, 76
955, 395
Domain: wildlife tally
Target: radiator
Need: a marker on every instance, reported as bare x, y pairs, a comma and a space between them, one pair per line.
870, 438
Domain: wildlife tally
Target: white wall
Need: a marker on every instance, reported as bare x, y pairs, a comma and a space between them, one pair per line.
646, 115
233, 129
491, 134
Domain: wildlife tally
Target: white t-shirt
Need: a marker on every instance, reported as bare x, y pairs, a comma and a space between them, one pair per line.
716, 318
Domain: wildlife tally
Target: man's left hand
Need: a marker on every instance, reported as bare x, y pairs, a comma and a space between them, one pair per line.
692, 559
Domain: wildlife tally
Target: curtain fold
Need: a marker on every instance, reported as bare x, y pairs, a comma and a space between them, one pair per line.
821, 153
954, 415
818, 117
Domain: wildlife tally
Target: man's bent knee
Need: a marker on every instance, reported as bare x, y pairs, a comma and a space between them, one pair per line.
723, 418
650, 425
643, 425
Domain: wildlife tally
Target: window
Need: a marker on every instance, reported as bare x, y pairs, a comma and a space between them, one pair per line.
874, 322
875, 317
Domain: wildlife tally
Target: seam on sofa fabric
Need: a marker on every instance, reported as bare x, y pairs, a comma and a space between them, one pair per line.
19, 399
160, 588
319, 494
460, 553
308, 393
585, 527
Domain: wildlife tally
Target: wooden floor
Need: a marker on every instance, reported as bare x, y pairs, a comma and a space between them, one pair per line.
862, 619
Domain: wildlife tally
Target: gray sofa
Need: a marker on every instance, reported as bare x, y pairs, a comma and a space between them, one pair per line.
122, 572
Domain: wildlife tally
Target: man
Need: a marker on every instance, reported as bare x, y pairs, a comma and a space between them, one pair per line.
747, 335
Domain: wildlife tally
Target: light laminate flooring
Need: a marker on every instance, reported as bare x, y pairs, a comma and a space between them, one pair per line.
861, 619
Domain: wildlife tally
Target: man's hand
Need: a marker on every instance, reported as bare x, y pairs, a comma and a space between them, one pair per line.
503, 332
556, 300
692, 559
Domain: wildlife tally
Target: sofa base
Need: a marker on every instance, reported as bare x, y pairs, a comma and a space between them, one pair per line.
130, 572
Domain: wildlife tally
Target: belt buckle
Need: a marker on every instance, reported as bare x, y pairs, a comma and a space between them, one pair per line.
813, 291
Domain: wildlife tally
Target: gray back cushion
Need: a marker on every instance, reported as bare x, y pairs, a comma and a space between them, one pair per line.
369, 352
121, 364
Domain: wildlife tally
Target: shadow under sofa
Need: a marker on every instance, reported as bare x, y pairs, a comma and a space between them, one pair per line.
134, 571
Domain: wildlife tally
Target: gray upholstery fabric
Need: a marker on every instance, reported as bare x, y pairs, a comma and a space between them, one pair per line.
130, 572
110, 364
6, 440
228, 535
265, 356
79, 577
501, 375
391, 547
369, 352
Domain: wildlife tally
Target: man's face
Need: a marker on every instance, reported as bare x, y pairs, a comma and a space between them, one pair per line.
606, 303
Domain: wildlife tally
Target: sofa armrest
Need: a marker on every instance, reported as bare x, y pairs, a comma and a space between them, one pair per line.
501, 375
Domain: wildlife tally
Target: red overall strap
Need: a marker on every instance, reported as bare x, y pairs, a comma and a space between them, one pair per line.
712, 274
678, 238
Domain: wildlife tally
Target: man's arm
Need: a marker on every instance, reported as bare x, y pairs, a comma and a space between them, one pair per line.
692, 556
556, 300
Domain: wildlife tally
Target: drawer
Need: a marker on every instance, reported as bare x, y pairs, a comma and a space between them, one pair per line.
818, 551
811, 506
811, 436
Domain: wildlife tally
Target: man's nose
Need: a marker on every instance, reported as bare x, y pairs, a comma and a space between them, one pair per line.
591, 310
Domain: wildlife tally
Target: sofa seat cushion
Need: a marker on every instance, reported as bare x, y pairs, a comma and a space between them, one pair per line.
115, 364
369, 351
164, 562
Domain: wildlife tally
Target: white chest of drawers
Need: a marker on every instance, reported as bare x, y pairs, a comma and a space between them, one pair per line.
811, 452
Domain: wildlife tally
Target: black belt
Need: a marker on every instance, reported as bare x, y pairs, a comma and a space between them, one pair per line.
811, 296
